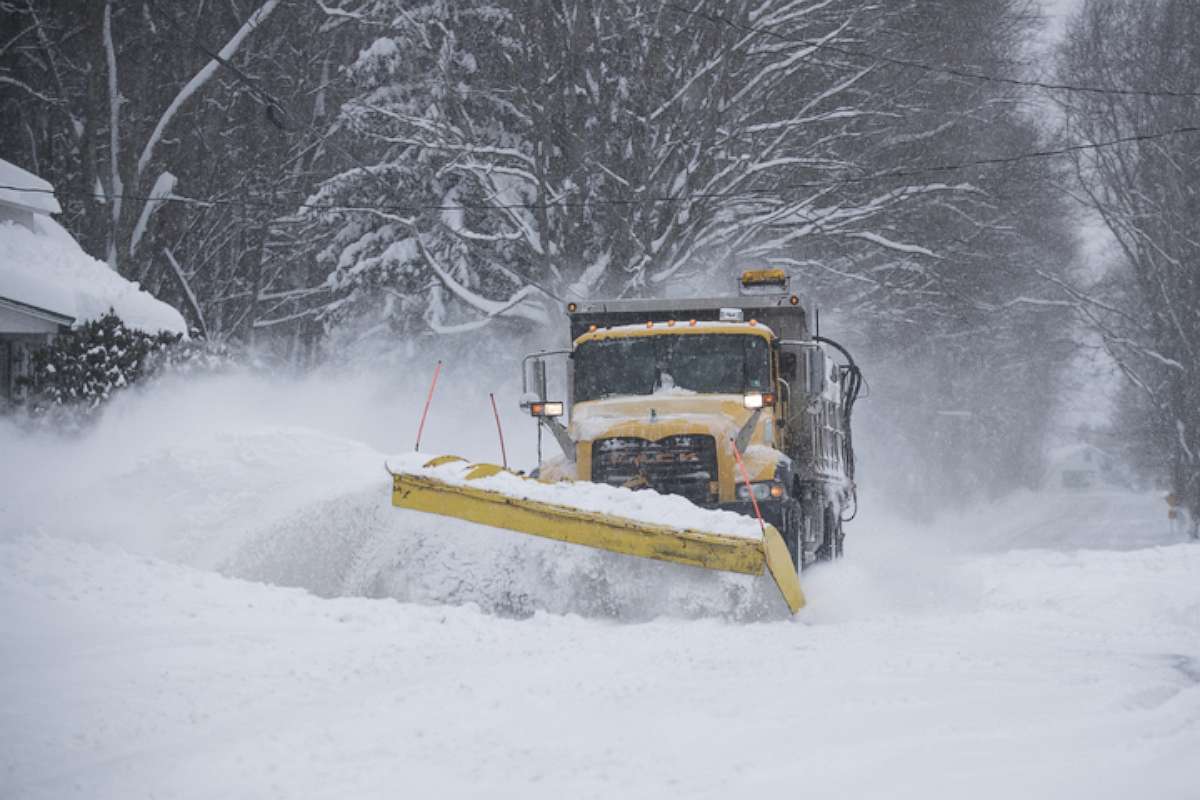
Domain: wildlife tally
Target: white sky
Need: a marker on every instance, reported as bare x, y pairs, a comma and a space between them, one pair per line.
1057, 11
1091, 382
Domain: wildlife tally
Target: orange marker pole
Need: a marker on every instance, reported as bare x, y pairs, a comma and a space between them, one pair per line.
428, 400
499, 430
746, 477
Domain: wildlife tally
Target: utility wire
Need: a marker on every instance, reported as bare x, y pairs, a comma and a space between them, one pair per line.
633, 201
1030, 155
270, 103
277, 109
932, 68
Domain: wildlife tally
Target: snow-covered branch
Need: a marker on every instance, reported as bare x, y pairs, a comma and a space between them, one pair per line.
114, 130
199, 79
163, 187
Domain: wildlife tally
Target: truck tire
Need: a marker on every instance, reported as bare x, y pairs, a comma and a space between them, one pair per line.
831, 543
793, 529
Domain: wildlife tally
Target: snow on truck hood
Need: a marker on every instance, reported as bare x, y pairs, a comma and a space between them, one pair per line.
722, 415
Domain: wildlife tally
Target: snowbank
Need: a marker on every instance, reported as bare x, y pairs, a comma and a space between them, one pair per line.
49, 269
131, 677
272, 480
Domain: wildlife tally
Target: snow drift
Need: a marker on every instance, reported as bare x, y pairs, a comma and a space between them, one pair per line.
255, 490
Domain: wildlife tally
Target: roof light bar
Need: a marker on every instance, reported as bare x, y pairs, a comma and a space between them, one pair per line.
764, 277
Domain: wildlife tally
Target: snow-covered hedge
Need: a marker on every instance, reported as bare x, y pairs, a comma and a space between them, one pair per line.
83, 368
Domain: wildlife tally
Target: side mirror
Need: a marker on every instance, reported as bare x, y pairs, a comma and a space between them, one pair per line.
533, 384
816, 371
787, 366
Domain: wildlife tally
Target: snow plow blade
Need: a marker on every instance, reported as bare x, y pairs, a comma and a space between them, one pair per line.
716, 551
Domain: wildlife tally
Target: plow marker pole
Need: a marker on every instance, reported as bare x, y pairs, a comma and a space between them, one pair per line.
428, 400
499, 430
737, 454
775, 552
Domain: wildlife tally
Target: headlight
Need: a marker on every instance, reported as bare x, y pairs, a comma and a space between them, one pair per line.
758, 399
764, 490
544, 409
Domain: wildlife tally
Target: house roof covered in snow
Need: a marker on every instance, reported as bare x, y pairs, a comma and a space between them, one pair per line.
41, 265
23, 189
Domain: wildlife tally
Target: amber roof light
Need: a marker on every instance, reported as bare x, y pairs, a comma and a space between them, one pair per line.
764, 277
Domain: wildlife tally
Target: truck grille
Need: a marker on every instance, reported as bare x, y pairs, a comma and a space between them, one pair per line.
683, 465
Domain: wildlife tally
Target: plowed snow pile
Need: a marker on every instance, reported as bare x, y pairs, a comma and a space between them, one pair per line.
1046, 647
236, 491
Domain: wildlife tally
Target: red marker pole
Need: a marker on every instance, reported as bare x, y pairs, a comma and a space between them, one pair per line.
746, 478
499, 430
428, 400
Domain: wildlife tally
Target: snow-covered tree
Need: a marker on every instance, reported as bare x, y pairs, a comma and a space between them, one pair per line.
176, 137
509, 162
961, 356
527, 159
1147, 192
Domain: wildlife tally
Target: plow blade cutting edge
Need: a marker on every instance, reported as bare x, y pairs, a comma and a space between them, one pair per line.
596, 529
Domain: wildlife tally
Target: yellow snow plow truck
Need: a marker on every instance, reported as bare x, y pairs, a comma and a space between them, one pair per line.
677, 410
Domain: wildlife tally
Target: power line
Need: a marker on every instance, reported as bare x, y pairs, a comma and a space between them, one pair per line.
1030, 155
270, 103
911, 172
932, 68
277, 112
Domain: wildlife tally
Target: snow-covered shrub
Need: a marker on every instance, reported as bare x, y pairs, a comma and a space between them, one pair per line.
195, 355
84, 367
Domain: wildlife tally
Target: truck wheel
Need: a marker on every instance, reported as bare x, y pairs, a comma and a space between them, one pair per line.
831, 543
793, 522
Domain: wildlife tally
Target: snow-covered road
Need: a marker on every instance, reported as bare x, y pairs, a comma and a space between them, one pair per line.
935, 661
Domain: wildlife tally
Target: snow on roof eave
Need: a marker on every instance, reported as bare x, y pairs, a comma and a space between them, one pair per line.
43, 267
37, 311
46, 268
29, 192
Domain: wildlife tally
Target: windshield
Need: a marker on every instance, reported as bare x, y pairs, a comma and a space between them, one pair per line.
701, 363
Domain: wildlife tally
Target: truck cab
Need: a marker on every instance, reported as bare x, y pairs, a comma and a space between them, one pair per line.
729, 402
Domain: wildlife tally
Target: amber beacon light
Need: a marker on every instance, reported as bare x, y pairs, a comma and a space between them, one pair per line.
764, 277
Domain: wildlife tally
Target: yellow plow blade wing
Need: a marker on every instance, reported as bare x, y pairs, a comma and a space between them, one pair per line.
594, 529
